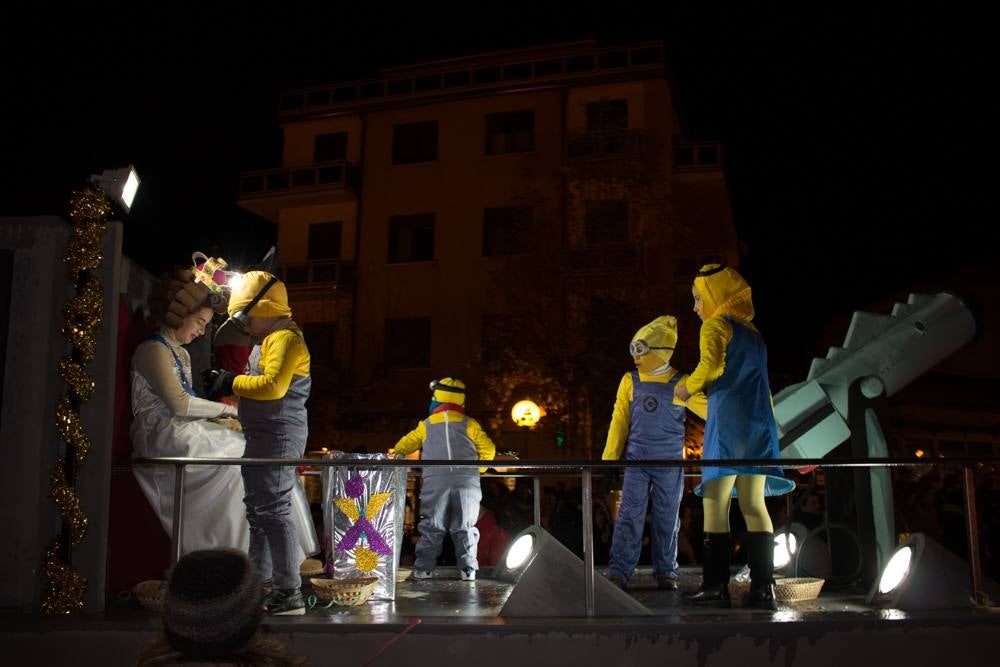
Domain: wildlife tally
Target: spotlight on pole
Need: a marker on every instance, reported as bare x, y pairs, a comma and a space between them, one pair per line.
548, 581
119, 184
922, 574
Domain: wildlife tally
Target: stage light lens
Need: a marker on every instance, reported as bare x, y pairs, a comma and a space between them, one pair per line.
785, 546
130, 188
519, 552
896, 570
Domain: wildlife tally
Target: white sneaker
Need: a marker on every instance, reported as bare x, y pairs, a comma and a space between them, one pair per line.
468, 574
423, 574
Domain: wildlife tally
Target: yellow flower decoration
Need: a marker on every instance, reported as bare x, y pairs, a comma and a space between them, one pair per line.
366, 559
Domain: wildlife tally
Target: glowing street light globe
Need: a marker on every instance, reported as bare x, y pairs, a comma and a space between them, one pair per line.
526, 413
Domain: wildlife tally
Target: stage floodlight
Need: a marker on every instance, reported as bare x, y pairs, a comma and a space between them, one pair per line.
922, 574
119, 184
520, 549
785, 546
548, 581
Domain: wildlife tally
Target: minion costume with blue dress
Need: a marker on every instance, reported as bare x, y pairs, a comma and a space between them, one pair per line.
740, 425
449, 497
648, 424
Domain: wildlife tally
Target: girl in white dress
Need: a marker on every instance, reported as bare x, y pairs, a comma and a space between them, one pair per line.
169, 419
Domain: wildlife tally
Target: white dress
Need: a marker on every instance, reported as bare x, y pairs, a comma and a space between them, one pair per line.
167, 421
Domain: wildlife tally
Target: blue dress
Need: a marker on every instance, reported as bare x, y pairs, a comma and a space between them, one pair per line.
740, 422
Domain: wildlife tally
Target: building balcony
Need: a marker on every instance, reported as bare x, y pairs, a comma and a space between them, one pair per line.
603, 144
329, 275
264, 192
697, 156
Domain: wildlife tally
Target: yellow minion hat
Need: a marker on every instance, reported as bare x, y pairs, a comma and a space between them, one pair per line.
659, 337
448, 390
723, 291
273, 303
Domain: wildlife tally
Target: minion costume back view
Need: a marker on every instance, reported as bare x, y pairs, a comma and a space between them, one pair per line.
449, 435
648, 424
272, 408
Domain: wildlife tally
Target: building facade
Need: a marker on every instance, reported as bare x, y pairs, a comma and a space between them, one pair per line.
508, 218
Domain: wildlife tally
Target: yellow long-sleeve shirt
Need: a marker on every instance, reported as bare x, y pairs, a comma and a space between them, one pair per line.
713, 339
414, 440
283, 354
621, 417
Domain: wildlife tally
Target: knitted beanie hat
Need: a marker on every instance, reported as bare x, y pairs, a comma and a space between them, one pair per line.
212, 607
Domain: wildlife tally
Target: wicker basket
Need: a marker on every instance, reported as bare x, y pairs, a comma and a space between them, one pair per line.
311, 567
345, 592
150, 594
785, 590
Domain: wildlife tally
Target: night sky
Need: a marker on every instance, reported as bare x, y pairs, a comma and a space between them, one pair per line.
854, 139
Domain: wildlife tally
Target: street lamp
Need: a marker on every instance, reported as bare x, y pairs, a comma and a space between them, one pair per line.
526, 413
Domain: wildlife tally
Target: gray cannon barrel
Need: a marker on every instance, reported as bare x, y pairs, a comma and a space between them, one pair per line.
885, 352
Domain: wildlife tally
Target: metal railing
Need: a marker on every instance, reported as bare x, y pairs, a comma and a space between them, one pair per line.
320, 175
585, 470
512, 70
590, 144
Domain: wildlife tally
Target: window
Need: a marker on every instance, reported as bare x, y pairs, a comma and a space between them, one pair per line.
330, 147
408, 343
511, 132
609, 321
606, 222
684, 156
607, 115
321, 337
499, 331
324, 241
411, 238
506, 230
415, 142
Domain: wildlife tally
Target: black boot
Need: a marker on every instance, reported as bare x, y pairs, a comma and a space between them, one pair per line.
715, 571
760, 558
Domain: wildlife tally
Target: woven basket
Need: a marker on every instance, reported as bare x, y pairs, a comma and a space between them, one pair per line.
345, 592
311, 567
150, 594
785, 590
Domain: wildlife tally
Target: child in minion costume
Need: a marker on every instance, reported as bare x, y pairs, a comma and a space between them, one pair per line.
740, 425
448, 434
648, 424
272, 408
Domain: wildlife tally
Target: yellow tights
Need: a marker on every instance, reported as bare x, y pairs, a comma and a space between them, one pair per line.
750, 491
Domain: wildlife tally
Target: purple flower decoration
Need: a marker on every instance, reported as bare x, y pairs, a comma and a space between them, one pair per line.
363, 527
355, 487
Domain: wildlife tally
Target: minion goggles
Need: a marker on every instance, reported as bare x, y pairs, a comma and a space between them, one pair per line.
435, 385
640, 348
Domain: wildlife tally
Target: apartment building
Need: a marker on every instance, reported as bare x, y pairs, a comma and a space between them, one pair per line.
510, 218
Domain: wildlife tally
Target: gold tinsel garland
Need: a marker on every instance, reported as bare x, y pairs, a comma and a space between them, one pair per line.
66, 586
89, 209
73, 374
68, 502
71, 430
